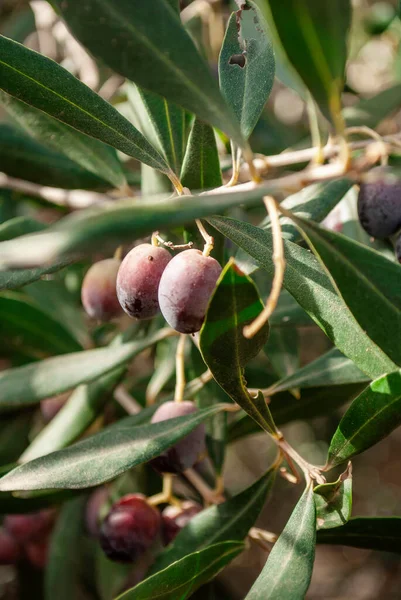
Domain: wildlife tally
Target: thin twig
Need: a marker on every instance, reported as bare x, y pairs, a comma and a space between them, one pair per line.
279, 269
180, 369
157, 240
365, 130
167, 495
209, 241
210, 496
128, 403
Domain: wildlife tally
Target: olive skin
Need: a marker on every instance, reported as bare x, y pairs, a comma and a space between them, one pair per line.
138, 280
10, 551
129, 529
185, 289
185, 453
30, 527
379, 204
98, 292
174, 519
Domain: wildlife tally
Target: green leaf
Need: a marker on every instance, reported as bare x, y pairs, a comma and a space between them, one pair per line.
103, 456
31, 383
19, 153
151, 48
19, 226
219, 523
314, 36
282, 350
201, 168
117, 222
64, 565
225, 350
89, 153
314, 202
332, 368
369, 284
289, 313
184, 577
314, 402
305, 279
371, 111
170, 124
372, 416
14, 436
25, 326
247, 86
334, 501
372, 533
54, 299
82, 408
43, 84
288, 570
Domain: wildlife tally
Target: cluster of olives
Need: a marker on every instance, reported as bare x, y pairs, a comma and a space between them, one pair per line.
26, 536
132, 525
379, 206
150, 280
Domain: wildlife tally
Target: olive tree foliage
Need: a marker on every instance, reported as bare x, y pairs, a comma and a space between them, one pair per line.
172, 166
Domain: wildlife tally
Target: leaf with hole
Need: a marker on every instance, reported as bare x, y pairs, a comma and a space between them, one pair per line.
146, 43
225, 350
246, 65
288, 570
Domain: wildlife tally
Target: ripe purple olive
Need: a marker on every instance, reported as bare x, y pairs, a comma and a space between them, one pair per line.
138, 280
98, 291
185, 289
174, 519
379, 203
38, 552
130, 528
186, 452
30, 527
9, 549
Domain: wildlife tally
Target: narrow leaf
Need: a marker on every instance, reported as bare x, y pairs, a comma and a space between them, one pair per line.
369, 283
225, 350
103, 456
25, 326
89, 153
282, 350
201, 168
219, 523
288, 570
372, 416
63, 569
332, 368
40, 82
184, 577
19, 153
314, 36
151, 48
334, 501
314, 202
246, 65
31, 383
370, 112
314, 402
372, 533
311, 287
